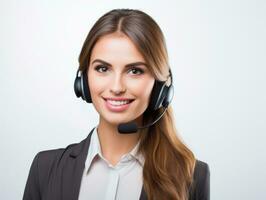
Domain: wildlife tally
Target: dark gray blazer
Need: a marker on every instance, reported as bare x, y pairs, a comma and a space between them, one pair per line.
56, 175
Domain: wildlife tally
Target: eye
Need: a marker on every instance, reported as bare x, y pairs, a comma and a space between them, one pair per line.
101, 68
136, 70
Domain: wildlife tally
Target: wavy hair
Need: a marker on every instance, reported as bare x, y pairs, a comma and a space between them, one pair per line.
169, 164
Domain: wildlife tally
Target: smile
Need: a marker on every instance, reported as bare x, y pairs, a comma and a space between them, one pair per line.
117, 105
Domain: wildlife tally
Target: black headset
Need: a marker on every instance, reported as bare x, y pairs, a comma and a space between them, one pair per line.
161, 94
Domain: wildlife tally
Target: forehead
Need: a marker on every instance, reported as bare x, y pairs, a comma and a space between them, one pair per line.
115, 48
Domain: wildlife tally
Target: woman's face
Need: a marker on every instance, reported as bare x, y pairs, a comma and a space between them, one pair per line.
120, 83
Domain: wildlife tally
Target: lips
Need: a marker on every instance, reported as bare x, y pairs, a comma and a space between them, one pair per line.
117, 104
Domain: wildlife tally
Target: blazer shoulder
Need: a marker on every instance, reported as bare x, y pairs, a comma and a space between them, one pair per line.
46, 166
51, 154
201, 171
200, 189
40, 171
48, 158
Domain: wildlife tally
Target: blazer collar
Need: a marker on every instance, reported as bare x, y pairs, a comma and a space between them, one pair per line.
79, 152
70, 169
81, 147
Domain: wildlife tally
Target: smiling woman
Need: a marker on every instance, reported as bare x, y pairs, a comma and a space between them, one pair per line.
124, 73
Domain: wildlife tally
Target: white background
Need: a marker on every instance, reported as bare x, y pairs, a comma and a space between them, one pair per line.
217, 54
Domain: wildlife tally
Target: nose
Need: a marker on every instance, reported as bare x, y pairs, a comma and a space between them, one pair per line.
117, 86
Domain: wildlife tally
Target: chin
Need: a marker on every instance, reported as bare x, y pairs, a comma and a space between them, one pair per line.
115, 120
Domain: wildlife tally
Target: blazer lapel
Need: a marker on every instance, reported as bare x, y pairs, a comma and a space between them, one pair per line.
73, 169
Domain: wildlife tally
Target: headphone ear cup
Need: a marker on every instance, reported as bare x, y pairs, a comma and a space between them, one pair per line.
86, 90
81, 86
169, 93
77, 87
158, 94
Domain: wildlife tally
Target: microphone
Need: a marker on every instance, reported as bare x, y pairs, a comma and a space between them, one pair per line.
132, 127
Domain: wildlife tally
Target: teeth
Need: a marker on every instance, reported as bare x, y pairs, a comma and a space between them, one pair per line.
118, 103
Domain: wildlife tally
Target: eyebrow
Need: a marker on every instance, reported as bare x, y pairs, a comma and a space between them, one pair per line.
127, 65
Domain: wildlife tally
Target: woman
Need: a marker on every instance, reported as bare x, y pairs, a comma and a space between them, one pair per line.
124, 72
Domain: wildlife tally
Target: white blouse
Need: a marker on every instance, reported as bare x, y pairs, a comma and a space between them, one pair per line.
103, 181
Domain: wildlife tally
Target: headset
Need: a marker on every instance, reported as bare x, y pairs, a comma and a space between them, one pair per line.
161, 96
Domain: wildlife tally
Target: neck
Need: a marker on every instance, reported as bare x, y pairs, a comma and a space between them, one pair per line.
114, 144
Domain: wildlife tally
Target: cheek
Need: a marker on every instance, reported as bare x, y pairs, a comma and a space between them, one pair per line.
96, 86
143, 89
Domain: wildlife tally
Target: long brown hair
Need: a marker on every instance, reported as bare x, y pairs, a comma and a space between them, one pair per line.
169, 164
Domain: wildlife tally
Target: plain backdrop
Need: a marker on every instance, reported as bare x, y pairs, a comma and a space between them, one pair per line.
217, 55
